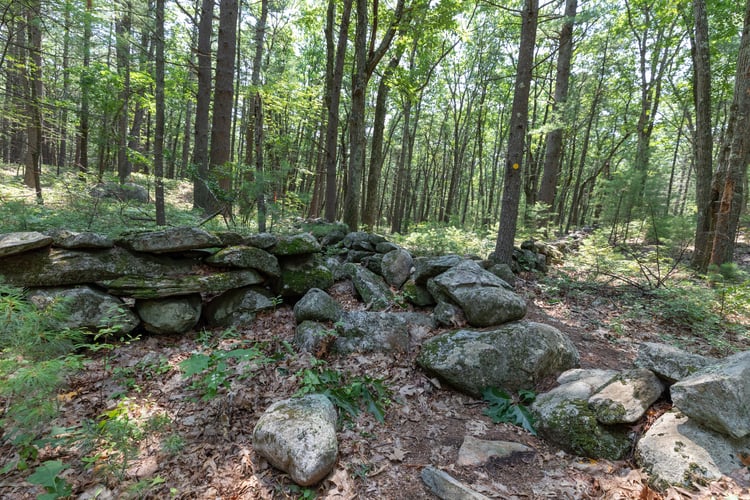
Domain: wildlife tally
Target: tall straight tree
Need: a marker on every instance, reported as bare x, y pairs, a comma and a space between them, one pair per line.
82, 143
703, 140
553, 153
730, 179
517, 134
366, 59
221, 123
202, 197
34, 97
256, 141
122, 49
332, 97
159, 130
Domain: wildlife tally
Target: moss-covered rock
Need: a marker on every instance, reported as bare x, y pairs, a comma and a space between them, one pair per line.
301, 274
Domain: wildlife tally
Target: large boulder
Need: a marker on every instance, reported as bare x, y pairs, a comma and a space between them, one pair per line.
626, 398
396, 267
429, 267
237, 308
513, 356
363, 331
246, 257
317, 305
371, 288
85, 307
170, 315
15, 243
300, 274
73, 240
485, 299
298, 436
297, 244
677, 450
718, 396
564, 417
56, 267
669, 362
169, 286
175, 239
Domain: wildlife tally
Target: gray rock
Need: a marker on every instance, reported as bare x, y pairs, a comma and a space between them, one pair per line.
360, 240
514, 356
72, 240
718, 396
485, 299
626, 398
476, 451
56, 267
247, 257
170, 315
175, 239
169, 286
230, 238
264, 241
503, 272
300, 274
374, 263
317, 305
396, 266
314, 337
15, 243
446, 487
331, 232
564, 417
361, 331
417, 294
676, 450
385, 247
297, 244
370, 287
298, 436
85, 308
237, 308
669, 362
358, 256
446, 314
429, 267
124, 192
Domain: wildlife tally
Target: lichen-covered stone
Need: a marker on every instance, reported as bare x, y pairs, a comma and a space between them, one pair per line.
370, 287
175, 239
513, 356
298, 244
300, 274
365, 331
396, 267
15, 243
171, 314
247, 257
317, 305
626, 398
669, 362
298, 436
237, 307
170, 286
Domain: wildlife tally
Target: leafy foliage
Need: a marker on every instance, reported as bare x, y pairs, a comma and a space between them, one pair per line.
47, 476
347, 392
505, 408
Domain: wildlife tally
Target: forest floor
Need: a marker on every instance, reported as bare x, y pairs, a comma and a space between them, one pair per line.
151, 434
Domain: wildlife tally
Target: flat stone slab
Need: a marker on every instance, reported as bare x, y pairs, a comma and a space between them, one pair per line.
475, 451
627, 397
14, 243
669, 362
169, 286
446, 487
177, 239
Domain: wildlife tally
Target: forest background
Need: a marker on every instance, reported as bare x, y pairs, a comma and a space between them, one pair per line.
628, 114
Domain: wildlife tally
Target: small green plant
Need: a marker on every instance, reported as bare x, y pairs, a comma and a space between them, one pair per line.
348, 393
47, 475
211, 372
505, 408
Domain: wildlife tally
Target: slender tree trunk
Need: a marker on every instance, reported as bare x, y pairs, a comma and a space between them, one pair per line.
62, 145
221, 123
553, 153
34, 61
703, 139
159, 128
82, 143
257, 114
334, 79
517, 136
202, 195
122, 29
731, 178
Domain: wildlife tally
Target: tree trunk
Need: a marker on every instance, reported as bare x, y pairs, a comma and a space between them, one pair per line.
257, 114
221, 124
334, 79
517, 134
703, 139
82, 144
122, 30
159, 128
730, 179
553, 153
202, 195
34, 71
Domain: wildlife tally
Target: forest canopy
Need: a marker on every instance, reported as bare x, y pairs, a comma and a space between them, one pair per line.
388, 114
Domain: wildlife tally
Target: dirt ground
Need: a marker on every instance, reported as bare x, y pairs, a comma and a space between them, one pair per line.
203, 449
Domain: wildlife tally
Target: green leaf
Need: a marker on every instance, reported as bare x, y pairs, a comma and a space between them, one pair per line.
522, 417
45, 474
195, 364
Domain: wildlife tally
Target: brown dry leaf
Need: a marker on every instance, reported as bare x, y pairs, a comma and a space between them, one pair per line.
343, 486
397, 455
